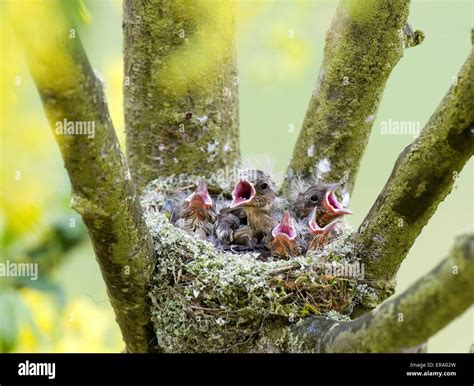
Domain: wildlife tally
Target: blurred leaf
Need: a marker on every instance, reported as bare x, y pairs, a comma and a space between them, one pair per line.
50, 247
46, 285
77, 11
12, 310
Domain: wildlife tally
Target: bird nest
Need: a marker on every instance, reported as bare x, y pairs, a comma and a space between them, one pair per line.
207, 300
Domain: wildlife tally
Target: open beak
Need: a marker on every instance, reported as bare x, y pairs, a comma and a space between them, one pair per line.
285, 231
315, 229
200, 198
243, 193
332, 204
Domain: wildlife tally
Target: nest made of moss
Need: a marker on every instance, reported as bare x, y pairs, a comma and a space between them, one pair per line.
206, 300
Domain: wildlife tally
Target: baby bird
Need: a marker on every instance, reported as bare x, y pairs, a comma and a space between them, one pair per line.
197, 214
250, 215
284, 240
318, 236
322, 196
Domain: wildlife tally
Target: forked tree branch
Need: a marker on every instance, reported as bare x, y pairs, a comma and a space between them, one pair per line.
406, 321
74, 102
181, 87
422, 177
180, 112
364, 43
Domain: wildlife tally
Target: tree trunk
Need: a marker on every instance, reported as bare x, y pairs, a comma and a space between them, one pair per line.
181, 87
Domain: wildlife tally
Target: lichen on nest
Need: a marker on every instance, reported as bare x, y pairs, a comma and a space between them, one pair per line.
206, 300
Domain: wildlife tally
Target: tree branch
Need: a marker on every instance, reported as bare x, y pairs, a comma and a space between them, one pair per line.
422, 177
365, 41
180, 90
75, 105
406, 321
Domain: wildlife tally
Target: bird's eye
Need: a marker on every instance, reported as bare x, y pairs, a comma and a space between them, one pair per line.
264, 186
315, 197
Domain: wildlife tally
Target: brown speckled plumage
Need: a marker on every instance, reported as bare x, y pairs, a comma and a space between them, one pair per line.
253, 216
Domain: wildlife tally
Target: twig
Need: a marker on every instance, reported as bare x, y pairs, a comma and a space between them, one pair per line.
284, 268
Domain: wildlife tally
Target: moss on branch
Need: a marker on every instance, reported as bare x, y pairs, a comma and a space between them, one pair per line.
181, 87
406, 321
73, 99
365, 41
423, 176
413, 38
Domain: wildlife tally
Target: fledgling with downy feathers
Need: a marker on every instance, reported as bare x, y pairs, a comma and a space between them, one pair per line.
322, 196
285, 240
196, 213
316, 236
253, 221
252, 213
318, 211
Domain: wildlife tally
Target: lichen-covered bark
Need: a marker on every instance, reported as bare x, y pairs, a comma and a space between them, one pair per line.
423, 176
365, 41
180, 89
102, 192
406, 321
